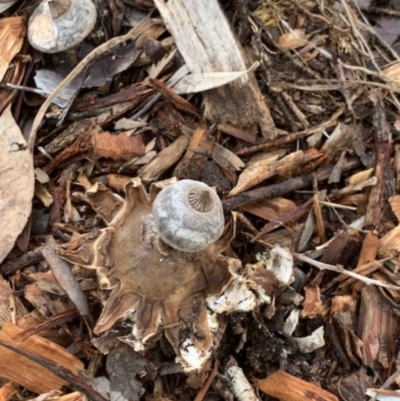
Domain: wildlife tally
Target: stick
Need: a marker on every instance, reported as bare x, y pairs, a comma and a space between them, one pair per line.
105, 47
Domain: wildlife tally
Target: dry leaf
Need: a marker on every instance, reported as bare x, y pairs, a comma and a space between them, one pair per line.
395, 205
225, 158
16, 182
271, 209
393, 73
293, 40
389, 244
65, 278
12, 32
205, 81
387, 29
99, 73
5, 6
264, 169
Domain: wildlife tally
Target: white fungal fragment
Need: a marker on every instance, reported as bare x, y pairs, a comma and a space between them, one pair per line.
241, 387
312, 342
237, 297
280, 261
191, 358
383, 394
291, 323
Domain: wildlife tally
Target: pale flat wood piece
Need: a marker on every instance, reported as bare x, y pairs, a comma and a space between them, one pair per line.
207, 43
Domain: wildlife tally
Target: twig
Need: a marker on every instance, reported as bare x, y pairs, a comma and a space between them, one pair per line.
274, 190
98, 51
293, 136
10, 267
379, 194
295, 214
53, 321
7, 85
241, 387
341, 270
201, 394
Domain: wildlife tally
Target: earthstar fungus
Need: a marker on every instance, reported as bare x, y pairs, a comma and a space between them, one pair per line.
58, 25
188, 215
182, 284
161, 284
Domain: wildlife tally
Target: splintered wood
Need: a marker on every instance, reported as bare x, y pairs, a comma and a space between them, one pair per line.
117, 147
377, 328
25, 372
272, 165
286, 387
379, 194
11, 307
206, 41
191, 165
164, 160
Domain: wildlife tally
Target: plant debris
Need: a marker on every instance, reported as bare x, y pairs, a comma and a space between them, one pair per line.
266, 134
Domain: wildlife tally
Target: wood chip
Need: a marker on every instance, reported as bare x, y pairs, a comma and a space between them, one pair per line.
271, 209
248, 134
207, 44
286, 387
377, 329
312, 305
200, 147
265, 169
164, 160
395, 205
393, 73
117, 147
25, 372
389, 244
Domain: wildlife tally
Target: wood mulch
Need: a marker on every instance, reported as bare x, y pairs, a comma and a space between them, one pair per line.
290, 110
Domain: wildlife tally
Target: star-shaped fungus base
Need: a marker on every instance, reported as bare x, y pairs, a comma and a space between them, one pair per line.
161, 285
